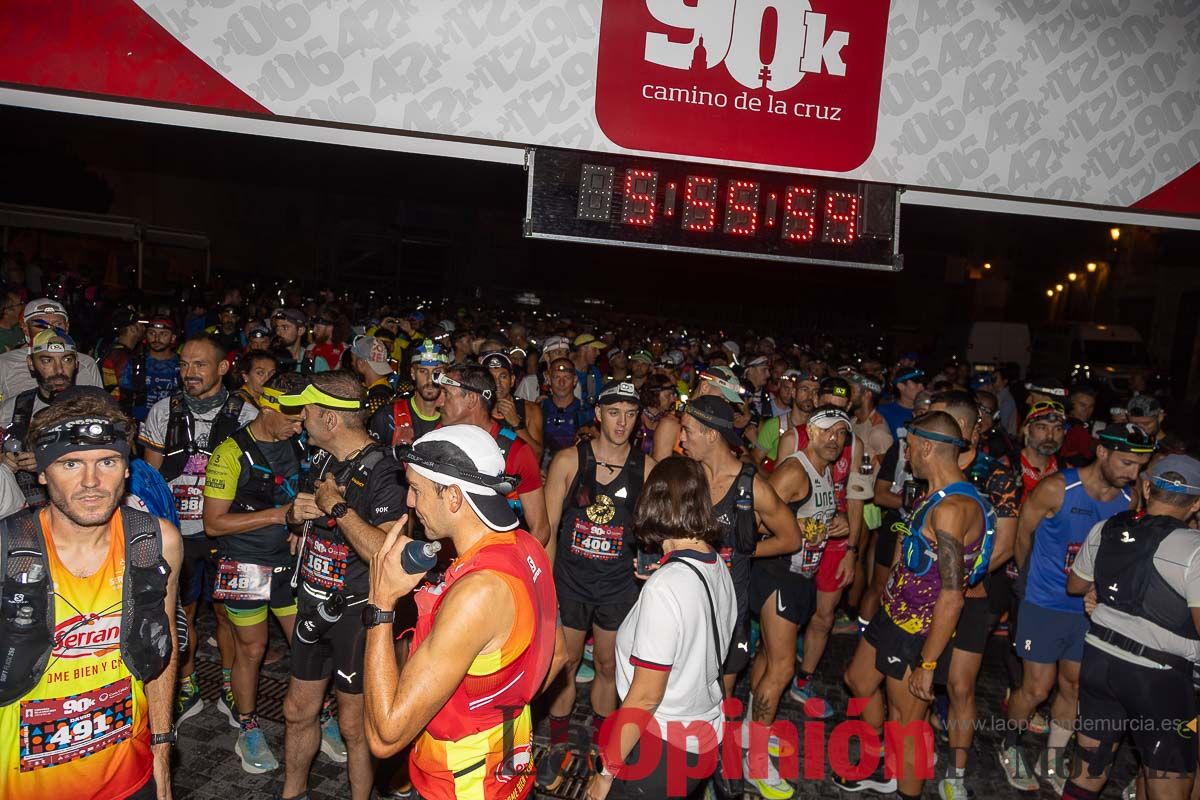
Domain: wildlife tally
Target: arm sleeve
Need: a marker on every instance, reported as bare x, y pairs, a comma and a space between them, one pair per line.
1085, 561
659, 622
1191, 577
89, 374
224, 469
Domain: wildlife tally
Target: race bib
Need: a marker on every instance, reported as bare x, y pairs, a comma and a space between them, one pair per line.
808, 560
189, 501
598, 542
68, 728
238, 581
324, 563
1069, 556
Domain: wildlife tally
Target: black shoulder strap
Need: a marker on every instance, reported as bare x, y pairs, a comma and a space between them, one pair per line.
712, 607
746, 527
143, 537
586, 461
636, 465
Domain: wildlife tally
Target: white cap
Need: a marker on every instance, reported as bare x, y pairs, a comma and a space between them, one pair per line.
484, 491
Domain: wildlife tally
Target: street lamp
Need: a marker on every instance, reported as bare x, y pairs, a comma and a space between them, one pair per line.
987, 265
1115, 233
1049, 293
1091, 267
1058, 287
1071, 276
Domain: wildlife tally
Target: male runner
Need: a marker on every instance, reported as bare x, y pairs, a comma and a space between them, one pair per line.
907, 384
14, 370
640, 364
782, 589
357, 491
564, 414
591, 492
323, 346
249, 501
468, 397
1146, 412
177, 438
1144, 638
587, 349
227, 331
153, 374
1079, 447
1043, 432
85, 704
485, 638
53, 361
369, 361
129, 333
714, 382
959, 671
742, 501
289, 326
754, 379
771, 431
1054, 522
943, 550
521, 416
408, 418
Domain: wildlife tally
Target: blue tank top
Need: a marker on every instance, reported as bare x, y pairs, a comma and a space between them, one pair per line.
1057, 540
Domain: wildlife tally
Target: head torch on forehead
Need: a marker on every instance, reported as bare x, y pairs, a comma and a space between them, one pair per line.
93, 432
1127, 438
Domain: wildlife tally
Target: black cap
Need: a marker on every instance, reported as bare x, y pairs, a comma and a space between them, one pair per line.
838, 387
716, 413
619, 392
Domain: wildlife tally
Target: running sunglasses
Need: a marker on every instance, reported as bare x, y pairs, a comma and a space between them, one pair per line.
442, 379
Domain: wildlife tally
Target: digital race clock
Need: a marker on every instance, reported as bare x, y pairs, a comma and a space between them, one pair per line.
671, 205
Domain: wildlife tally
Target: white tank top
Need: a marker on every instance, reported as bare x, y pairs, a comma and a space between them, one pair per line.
813, 516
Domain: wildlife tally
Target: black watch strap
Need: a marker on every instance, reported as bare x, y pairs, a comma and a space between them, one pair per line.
373, 615
163, 738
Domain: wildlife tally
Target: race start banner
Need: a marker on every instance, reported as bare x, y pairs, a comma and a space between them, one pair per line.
1085, 102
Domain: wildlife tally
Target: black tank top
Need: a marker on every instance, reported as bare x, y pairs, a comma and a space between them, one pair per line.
739, 563
596, 545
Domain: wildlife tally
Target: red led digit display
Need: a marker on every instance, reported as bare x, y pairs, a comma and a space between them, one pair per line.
700, 204
799, 213
741, 208
841, 217
659, 204
641, 197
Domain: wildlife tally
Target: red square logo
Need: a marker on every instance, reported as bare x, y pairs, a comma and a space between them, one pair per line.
788, 82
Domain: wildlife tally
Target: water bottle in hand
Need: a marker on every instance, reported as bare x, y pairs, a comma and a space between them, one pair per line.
418, 557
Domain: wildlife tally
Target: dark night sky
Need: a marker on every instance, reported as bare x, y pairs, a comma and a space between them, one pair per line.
153, 172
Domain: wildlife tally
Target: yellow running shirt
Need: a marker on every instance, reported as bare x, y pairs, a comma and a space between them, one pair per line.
82, 732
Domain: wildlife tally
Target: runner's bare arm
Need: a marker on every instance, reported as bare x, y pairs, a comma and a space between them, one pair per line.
1006, 535
665, 437
1044, 501
475, 616
160, 692
777, 518
220, 521
950, 520
563, 467
152, 457
559, 660
1077, 585
532, 432
533, 504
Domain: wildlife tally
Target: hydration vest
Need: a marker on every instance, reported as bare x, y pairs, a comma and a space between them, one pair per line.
559, 425
137, 397
918, 553
181, 433
506, 439
264, 489
18, 429
402, 423
321, 577
27, 602
1126, 579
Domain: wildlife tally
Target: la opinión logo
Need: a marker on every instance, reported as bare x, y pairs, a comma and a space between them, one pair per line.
781, 739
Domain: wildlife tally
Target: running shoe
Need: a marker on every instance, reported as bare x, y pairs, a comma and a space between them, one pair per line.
1051, 773
877, 781
553, 768
771, 786
1130, 791
227, 707
188, 704
586, 673
252, 748
332, 744
818, 708
1016, 769
844, 626
1038, 723
953, 789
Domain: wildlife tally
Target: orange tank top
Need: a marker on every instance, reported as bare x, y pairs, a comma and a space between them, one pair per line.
82, 732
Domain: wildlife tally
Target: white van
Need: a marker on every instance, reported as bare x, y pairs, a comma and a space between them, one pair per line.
999, 343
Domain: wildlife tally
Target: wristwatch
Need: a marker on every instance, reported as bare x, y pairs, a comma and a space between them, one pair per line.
373, 615
929, 665
163, 738
851, 548
339, 510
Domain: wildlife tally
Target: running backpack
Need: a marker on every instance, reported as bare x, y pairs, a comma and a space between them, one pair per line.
918, 553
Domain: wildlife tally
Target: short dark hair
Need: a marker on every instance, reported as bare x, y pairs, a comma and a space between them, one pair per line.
957, 402
653, 385
211, 341
342, 383
674, 504
246, 360
477, 378
1176, 499
288, 382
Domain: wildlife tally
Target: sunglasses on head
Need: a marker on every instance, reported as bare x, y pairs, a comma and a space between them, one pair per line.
442, 379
